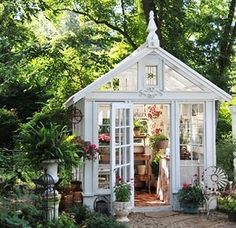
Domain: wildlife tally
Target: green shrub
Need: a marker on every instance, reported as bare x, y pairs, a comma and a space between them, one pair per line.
227, 203
64, 221
80, 212
102, 221
56, 115
9, 123
225, 155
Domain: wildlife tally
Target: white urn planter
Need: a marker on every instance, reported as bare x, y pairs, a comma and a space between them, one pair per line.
122, 210
51, 167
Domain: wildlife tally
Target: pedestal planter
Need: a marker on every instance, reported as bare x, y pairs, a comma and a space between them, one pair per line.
51, 167
190, 208
51, 208
122, 210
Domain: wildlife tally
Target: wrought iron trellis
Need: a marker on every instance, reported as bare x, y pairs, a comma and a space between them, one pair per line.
45, 189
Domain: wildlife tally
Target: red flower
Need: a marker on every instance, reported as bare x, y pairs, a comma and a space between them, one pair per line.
185, 186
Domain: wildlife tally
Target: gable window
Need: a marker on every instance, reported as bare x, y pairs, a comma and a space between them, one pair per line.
151, 77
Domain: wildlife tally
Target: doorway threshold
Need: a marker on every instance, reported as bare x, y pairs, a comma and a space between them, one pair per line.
152, 209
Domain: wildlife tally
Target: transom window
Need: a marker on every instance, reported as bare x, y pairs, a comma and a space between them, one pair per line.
151, 77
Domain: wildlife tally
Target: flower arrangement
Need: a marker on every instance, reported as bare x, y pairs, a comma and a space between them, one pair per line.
87, 150
190, 194
122, 190
153, 112
104, 138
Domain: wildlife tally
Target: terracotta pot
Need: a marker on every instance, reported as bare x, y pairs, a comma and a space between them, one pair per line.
122, 210
141, 169
137, 132
77, 197
68, 201
163, 144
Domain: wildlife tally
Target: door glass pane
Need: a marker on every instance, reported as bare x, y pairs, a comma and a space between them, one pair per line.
117, 136
104, 146
127, 135
122, 136
117, 156
127, 154
127, 117
191, 139
128, 173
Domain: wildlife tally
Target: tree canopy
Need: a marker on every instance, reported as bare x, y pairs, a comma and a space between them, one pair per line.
51, 49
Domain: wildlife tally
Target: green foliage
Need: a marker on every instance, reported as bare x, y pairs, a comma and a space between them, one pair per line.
11, 219
155, 139
9, 123
155, 164
102, 221
63, 221
122, 191
225, 149
19, 213
45, 143
190, 194
227, 203
80, 212
224, 123
137, 124
48, 115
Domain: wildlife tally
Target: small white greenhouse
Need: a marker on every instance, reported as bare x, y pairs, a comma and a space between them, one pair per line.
165, 97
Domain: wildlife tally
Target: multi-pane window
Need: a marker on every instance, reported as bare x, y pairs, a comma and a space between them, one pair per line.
151, 77
191, 140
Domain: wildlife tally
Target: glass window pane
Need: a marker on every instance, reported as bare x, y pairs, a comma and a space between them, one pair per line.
125, 81
104, 146
123, 156
127, 154
191, 139
151, 75
173, 81
117, 158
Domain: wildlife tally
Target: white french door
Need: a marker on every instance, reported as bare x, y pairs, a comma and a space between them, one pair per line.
122, 157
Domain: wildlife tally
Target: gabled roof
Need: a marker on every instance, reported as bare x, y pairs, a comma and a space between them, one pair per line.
151, 45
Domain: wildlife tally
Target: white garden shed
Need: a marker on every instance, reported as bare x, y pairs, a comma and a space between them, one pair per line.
165, 96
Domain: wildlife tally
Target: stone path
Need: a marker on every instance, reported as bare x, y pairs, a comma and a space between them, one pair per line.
178, 220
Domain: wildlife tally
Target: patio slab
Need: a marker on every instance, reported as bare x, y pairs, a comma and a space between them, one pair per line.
178, 220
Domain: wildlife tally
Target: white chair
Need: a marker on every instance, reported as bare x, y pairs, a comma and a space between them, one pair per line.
213, 181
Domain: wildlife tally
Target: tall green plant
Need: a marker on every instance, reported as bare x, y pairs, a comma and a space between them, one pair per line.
225, 150
44, 143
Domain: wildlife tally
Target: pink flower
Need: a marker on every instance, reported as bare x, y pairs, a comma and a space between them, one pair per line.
185, 186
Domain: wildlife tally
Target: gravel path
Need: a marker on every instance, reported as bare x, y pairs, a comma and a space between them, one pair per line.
180, 220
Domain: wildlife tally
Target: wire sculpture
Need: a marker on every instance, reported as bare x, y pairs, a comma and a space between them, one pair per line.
213, 181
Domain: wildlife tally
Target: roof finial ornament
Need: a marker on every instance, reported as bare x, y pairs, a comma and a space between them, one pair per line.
152, 38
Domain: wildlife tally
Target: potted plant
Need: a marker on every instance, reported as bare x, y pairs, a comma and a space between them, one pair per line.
227, 204
122, 205
155, 165
137, 127
190, 197
158, 141
45, 146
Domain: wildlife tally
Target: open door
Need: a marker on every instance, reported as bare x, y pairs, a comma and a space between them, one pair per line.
122, 146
